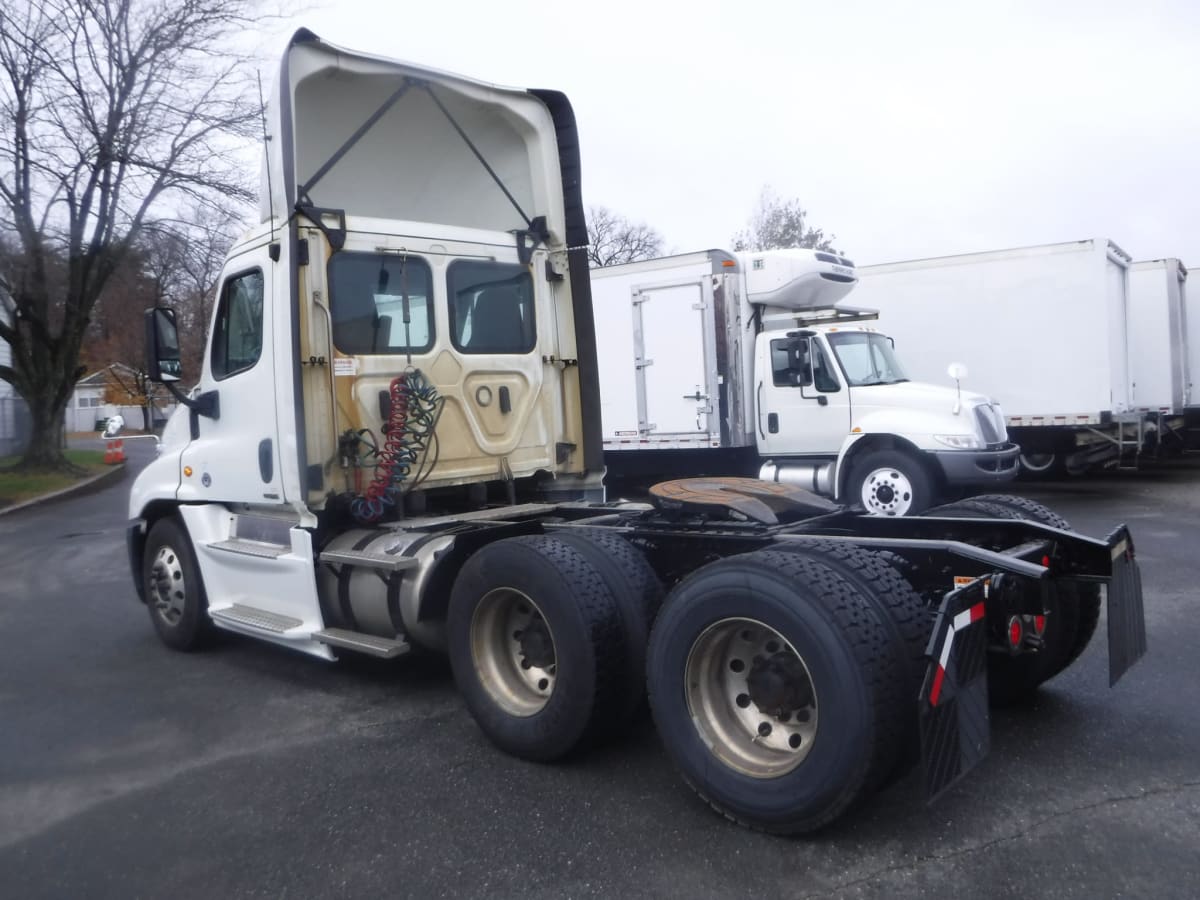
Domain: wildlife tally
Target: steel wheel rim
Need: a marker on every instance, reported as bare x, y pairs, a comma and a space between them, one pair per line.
887, 492
167, 588
724, 670
509, 638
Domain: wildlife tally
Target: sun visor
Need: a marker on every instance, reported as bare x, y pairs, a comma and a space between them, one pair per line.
377, 138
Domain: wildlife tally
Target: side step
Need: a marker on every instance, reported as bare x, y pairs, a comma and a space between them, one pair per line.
251, 548
258, 619
384, 561
373, 645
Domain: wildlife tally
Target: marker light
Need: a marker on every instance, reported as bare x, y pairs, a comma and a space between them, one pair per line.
1015, 632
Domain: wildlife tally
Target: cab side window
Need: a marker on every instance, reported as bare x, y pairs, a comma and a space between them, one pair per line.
238, 330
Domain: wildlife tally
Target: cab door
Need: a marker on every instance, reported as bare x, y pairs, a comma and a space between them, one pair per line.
803, 402
235, 457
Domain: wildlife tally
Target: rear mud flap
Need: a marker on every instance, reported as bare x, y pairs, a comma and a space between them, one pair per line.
952, 708
1126, 612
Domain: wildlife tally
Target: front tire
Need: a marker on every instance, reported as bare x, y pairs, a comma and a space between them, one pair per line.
889, 483
174, 590
777, 690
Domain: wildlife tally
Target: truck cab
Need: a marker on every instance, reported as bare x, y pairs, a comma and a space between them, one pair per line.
837, 413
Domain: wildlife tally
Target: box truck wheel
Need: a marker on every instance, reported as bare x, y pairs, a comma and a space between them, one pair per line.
537, 646
1013, 679
174, 590
777, 689
1086, 597
889, 483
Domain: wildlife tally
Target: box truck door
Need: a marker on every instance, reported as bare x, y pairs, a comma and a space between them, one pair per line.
675, 352
235, 458
803, 406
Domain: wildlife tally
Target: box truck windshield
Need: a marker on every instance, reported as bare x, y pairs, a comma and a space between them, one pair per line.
867, 358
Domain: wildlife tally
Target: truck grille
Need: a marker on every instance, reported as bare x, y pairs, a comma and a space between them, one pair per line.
991, 424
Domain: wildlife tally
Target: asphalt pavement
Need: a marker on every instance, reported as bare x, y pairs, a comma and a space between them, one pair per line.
129, 770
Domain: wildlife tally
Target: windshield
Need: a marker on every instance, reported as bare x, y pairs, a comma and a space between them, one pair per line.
866, 358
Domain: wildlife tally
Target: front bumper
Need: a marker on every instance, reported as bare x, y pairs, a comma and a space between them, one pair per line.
979, 466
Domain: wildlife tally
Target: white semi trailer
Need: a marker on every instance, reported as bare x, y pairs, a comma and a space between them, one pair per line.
747, 363
395, 441
1045, 330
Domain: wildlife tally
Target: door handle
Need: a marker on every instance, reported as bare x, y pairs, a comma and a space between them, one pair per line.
759, 411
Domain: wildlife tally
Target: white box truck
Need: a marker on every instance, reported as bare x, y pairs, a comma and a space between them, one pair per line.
1043, 329
745, 362
1158, 346
395, 442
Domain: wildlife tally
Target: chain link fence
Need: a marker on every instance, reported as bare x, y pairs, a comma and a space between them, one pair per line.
15, 425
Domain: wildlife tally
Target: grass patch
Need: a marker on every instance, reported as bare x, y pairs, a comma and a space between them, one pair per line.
17, 487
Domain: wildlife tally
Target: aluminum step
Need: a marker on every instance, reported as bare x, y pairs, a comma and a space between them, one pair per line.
383, 561
258, 619
251, 548
373, 645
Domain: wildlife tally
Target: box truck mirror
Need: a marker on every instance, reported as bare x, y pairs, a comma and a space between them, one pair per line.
163, 362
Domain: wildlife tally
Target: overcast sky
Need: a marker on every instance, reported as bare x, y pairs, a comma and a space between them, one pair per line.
907, 129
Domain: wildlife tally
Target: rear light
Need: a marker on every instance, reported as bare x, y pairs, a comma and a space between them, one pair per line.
1039, 625
1016, 631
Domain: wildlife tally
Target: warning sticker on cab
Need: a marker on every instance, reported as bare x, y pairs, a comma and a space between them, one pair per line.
345, 365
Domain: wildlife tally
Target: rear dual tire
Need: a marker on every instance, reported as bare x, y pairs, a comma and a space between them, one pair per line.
778, 689
1071, 616
546, 637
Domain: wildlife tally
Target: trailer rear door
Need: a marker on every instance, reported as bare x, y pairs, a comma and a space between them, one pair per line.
675, 349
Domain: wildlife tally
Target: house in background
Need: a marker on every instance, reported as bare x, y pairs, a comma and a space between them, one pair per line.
88, 407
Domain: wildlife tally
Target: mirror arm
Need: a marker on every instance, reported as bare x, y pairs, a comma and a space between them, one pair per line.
207, 404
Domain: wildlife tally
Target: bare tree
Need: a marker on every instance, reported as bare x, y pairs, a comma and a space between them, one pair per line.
778, 224
613, 239
110, 112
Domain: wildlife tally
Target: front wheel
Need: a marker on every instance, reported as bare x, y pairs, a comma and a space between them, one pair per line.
889, 483
174, 589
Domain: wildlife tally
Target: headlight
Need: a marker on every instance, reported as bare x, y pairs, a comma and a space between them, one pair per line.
960, 441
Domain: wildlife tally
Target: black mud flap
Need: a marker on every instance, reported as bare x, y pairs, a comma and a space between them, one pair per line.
1126, 612
953, 705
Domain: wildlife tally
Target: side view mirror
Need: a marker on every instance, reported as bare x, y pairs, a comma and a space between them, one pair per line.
957, 371
112, 428
163, 363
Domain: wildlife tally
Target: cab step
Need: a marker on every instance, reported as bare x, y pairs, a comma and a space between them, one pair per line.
244, 547
383, 561
371, 644
259, 619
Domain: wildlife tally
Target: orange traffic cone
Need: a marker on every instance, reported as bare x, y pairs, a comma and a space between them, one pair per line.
109, 453
118, 451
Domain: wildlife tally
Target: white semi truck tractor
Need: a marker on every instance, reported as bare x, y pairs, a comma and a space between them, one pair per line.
749, 363
394, 441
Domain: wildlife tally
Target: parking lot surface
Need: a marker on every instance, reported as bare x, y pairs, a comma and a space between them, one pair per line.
129, 770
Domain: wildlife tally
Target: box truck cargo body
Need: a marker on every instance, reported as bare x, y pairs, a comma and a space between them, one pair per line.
715, 362
1158, 343
1042, 329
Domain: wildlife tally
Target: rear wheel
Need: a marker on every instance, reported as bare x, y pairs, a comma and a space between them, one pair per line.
174, 589
537, 647
900, 608
637, 591
1013, 679
777, 690
1085, 597
889, 483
